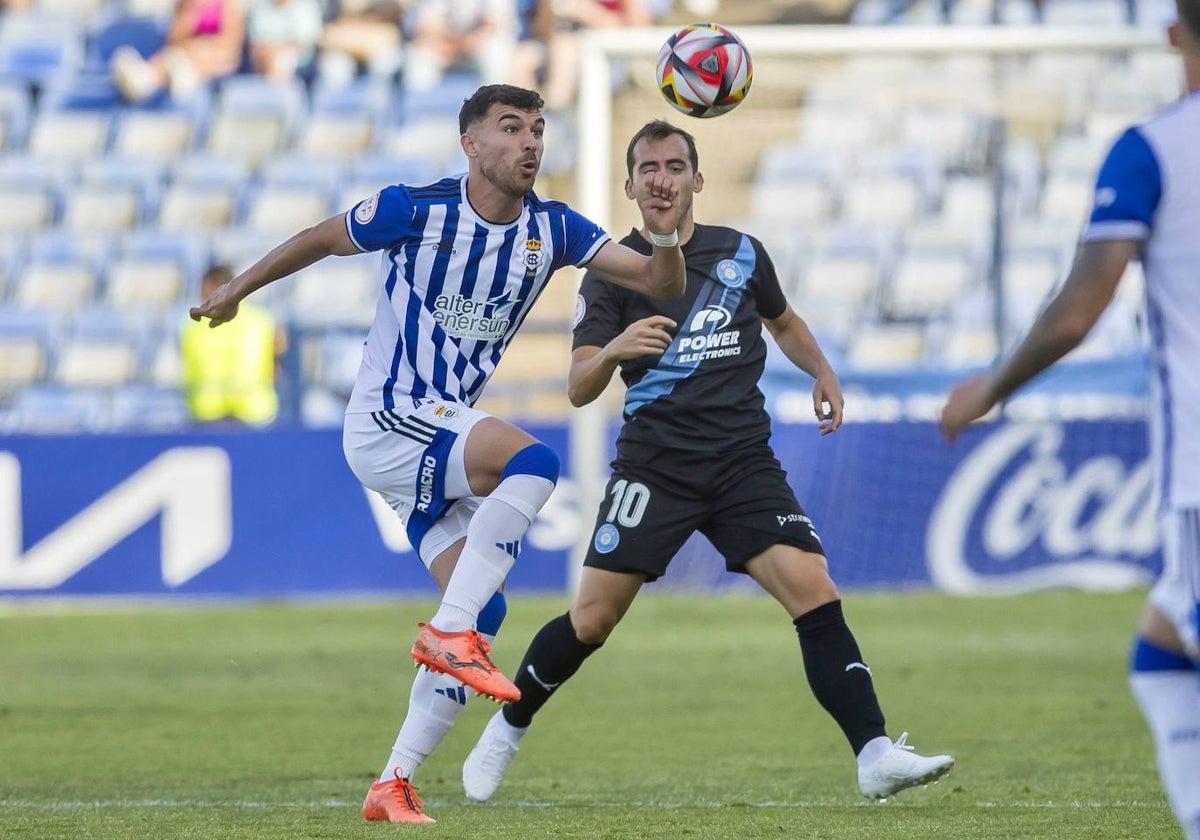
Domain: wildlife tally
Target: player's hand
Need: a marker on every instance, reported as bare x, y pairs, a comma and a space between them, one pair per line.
828, 401
647, 337
660, 204
219, 308
969, 400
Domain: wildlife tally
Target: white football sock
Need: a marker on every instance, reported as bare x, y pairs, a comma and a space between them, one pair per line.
1170, 702
493, 537
434, 704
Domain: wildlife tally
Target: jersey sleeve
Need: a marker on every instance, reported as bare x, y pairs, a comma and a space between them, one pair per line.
597, 313
768, 295
381, 220
1128, 190
583, 238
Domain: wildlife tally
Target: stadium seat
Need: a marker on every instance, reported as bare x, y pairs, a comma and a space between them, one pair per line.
958, 136
203, 169
334, 365
145, 283
108, 207
928, 283
22, 361
55, 409
15, 108
892, 200
887, 347
153, 135
86, 363
25, 208
1109, 13
845, 278
431, 138
844, 128
809, 202
442, 102
286, 210
302, 171
149, 408
39, 48
1066, 198
255, 117
345, 118
60, 285
69, 135
146, 35
969, 347
187, 207
337, 292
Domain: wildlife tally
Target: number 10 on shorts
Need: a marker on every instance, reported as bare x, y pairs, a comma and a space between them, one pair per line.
629, 500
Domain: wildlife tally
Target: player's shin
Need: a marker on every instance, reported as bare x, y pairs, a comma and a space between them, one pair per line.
553, 657
839, 678
494, 535
1168, 693
434, 704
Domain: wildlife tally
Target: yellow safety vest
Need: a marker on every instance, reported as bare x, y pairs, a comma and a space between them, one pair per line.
229, 371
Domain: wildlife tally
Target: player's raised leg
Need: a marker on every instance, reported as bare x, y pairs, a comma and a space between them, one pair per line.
555, 654
837, 674
516, 474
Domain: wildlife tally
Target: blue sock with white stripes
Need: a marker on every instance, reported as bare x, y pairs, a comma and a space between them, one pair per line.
494, 536
1167, 690
434, 703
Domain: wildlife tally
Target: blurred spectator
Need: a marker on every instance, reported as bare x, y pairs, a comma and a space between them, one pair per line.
446, 33
204, 42
282, 36
568, 17
362, 35
229, 374
16, 5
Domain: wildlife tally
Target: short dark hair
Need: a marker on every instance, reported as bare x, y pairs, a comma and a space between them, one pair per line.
661, 130
217, 273
1189, 15
481, 100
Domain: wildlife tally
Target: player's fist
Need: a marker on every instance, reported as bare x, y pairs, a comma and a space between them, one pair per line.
219, 308
969, 400
647, 337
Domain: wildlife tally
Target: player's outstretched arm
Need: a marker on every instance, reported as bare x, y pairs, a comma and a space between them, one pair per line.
302, 250
592, 367
798, 343
660, 275
1060, 328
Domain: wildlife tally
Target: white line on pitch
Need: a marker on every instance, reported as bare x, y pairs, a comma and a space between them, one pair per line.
17, 804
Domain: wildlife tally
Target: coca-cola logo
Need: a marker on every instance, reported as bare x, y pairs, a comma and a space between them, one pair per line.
1013, 501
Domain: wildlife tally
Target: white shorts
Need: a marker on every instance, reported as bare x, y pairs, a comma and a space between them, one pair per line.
414, 459
1177, 592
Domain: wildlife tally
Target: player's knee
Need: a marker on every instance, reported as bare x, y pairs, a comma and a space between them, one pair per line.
537, 459
594, 624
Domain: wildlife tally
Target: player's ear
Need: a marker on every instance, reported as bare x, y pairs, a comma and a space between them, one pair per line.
629, 189
1173, 34
469, 147
698, 182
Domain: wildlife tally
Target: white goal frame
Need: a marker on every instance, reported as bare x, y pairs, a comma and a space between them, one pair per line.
587, 433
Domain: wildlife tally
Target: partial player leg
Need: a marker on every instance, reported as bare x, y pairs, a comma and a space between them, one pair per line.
1163, 667
518, 475
837, 674
555, 654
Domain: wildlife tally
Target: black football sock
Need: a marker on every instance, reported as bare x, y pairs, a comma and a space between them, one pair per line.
837, 674
553, 657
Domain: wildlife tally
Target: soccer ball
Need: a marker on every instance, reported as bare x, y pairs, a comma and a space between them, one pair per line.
704, 70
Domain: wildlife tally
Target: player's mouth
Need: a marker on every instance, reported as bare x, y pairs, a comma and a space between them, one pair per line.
529, 166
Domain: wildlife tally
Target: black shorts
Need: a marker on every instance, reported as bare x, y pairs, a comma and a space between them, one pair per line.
657, 498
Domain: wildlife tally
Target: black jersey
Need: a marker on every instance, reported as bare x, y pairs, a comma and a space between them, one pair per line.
702, 393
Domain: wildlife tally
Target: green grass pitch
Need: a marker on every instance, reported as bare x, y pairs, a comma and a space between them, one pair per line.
269, 721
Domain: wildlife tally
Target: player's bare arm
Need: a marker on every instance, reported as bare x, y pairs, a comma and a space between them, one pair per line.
329, 238
592, 367
661, 275
1063, 325
798, 343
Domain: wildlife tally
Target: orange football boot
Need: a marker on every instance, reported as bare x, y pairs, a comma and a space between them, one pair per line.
394, 801
464, 656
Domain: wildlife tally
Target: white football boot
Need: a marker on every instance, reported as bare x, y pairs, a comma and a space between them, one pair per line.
483, 771
900, 767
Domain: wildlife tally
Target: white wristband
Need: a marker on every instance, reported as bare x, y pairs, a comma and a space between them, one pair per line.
665, 240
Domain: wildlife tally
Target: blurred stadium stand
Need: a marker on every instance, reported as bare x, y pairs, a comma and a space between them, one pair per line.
110, 212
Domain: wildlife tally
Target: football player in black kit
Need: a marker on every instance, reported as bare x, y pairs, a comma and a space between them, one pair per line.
694, 455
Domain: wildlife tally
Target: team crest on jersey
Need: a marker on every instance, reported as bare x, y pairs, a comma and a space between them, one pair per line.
730, 274
366, 209
580, 310
534, 257
446, 412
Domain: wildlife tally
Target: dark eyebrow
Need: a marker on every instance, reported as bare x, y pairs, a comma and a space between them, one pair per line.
512, 116
670, 162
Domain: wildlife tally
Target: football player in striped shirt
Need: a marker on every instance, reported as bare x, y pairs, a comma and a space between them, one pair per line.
1147, 204
462, 261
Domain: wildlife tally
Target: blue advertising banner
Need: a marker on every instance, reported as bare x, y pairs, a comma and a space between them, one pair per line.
1013, 506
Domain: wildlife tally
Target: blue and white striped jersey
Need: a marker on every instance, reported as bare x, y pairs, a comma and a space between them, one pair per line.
456, 288
1148, 190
